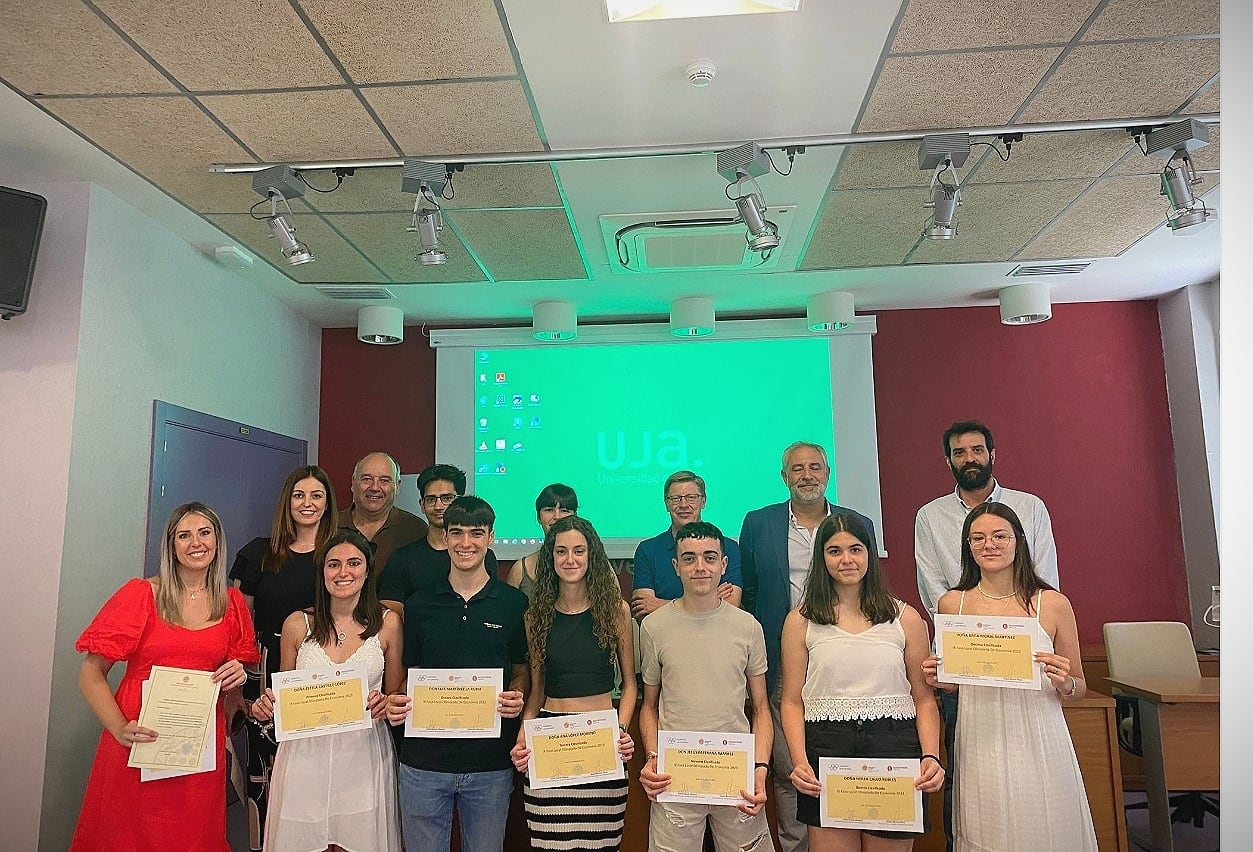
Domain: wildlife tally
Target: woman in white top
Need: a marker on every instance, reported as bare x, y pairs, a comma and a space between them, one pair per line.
1017, 784
852, 680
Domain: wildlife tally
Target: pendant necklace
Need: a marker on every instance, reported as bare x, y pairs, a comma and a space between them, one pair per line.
195, 592
979, 586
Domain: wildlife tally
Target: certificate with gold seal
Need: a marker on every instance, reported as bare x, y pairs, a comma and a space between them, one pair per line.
870, 794
988, 650
577, 748
320, 700
454, 703
705, 767
181, 706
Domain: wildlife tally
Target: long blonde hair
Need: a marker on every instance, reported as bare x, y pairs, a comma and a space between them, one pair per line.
170, 586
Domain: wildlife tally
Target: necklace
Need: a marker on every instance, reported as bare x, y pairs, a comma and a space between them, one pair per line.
195, 592
979, 586
340, 634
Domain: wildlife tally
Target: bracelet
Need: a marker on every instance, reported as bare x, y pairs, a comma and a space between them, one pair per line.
622, 727
1074, 687
933, 757
652, 755
760, 765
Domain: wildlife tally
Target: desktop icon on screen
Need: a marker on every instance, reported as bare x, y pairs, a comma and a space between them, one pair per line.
483, 357
517, 399
534, 399
501, 443
535, 422
482, 377
517, 446
485, 468
482, 424
500, 467
500, 399
500, 377
483, 401
517, 422
483, 447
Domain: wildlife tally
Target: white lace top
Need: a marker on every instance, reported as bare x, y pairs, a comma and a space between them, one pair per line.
856, 675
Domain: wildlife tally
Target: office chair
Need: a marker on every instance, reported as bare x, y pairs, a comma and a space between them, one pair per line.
1153, 649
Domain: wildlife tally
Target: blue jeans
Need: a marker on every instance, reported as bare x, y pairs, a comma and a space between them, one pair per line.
948, 712
427, 801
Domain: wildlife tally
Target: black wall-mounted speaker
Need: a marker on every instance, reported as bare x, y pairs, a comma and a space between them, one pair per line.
21, 225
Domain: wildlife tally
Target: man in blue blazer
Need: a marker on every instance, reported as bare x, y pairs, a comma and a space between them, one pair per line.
776, 546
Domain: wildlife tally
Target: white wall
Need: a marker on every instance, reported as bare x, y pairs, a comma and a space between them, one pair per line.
158, 321
38, 367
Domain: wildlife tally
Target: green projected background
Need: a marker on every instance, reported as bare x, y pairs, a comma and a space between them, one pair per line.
613, 421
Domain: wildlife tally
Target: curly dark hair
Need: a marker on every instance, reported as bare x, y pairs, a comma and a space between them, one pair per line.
602, 590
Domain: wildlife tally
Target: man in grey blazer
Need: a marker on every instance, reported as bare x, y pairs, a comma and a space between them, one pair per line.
776, 547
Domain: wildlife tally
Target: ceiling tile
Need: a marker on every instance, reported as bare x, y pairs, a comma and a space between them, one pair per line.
57, 47
335, 260
1106, 221
1207, 101
948, 24
954, 90
1127, 19
227, 44
1154, 79
382, 236
436, 41
295, 126
521, 245
365, 190
479, 186
457, 118
879, 165
866, 227
1055, 156
996, 220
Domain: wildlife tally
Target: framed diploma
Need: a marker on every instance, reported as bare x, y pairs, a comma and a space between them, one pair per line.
181, 706
454, 703
318, 701
870, 794
705, 768
579, 748
208, 761
985, 650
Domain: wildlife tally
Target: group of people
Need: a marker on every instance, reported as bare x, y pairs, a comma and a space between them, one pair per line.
792, 633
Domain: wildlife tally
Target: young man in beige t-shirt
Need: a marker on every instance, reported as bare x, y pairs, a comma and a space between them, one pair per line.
700, 656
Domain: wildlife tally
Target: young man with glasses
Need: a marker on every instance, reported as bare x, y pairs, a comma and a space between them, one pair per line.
970, 452
655, 582
373, 513
426, 561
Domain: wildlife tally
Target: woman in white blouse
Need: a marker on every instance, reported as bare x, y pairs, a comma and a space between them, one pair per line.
852, 680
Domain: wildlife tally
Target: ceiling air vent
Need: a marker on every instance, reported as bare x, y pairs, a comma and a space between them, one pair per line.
688, 241
355, 293
1049, 269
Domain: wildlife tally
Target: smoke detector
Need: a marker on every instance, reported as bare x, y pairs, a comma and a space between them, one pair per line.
700, 73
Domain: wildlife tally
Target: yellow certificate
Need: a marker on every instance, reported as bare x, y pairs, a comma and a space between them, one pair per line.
870, 794
454, 703
181, 706
321, 700
705, 767
578, 748
987, 650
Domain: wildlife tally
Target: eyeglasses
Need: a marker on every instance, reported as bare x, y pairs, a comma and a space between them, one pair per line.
442, 499
1000, 539
691, 499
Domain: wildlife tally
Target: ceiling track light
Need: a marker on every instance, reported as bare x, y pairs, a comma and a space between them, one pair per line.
742, 165
1186, 210
279, 183
943, 199
426, 180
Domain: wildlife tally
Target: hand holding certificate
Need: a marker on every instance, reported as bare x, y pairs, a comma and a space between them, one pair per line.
987, 650
317, 701
454, 703
578, 748
870, 794
705, 767
180, 706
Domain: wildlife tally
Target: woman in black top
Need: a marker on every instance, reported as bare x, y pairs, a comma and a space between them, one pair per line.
577, 626
277, 577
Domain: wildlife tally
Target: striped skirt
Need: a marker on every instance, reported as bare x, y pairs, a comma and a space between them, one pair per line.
586, 817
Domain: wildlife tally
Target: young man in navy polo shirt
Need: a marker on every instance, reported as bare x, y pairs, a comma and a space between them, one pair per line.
470, 619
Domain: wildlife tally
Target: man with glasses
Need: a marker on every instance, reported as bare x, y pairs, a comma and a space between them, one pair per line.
970, 452
655, 581
373, 513
425, 562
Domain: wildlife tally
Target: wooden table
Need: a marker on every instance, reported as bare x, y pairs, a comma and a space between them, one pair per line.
1179, 737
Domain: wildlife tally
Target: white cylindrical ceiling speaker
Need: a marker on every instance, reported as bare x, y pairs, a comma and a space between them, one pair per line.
692, 316
555, 321
380, 324
830, 311
1024, 304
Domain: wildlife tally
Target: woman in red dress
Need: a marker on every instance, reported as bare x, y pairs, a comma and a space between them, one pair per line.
185, 617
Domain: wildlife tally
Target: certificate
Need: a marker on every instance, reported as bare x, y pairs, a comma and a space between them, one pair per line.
320, 700
870, 794
579, 748
985, 650
705, 768
208, 762
181, 706
454, 703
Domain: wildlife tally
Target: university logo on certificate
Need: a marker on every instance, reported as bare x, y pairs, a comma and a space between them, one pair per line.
576, 748
705, 767
321, 700
454, 703
988, 650
870, 794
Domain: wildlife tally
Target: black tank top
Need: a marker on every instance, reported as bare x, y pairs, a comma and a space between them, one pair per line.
574, 664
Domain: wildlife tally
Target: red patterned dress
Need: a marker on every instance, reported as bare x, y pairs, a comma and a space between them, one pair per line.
188, 813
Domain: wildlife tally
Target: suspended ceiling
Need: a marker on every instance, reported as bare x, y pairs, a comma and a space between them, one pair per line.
168, 89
